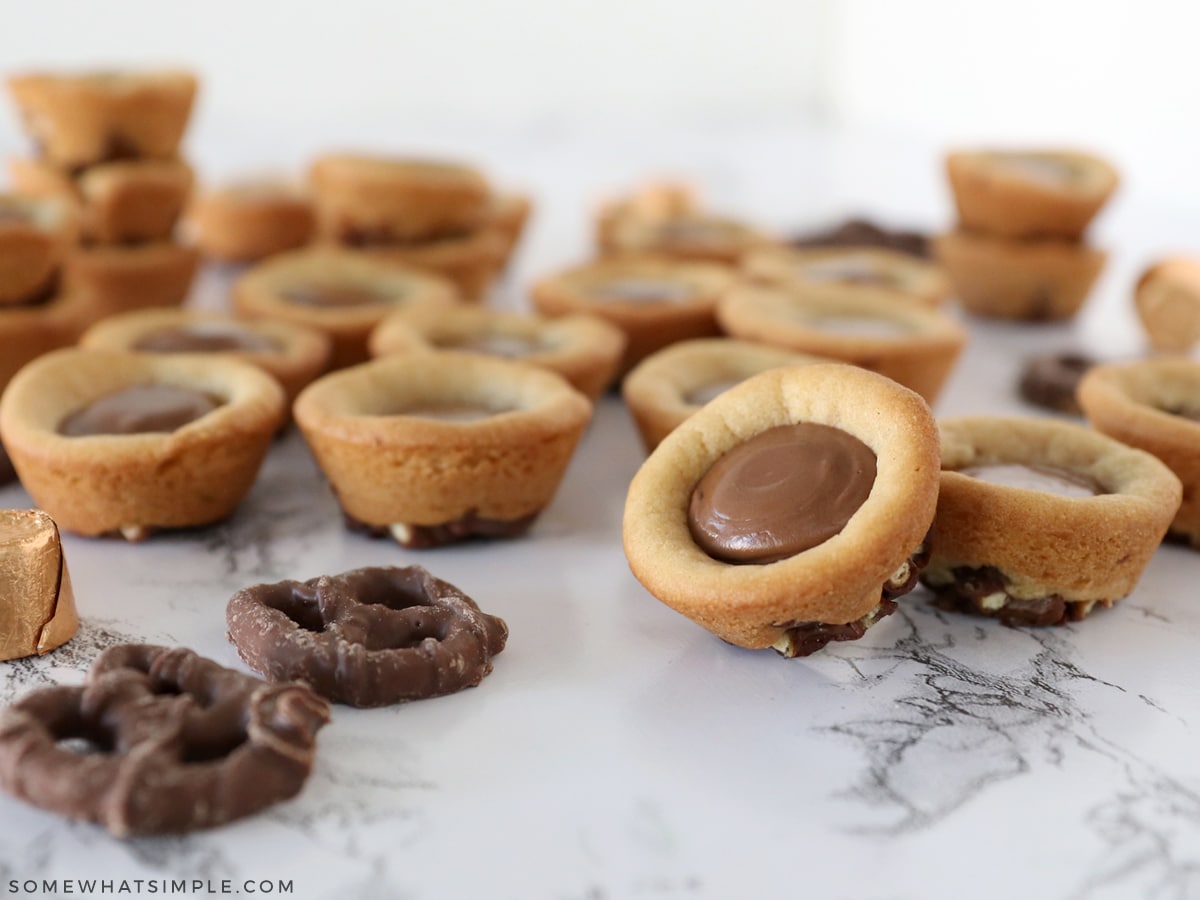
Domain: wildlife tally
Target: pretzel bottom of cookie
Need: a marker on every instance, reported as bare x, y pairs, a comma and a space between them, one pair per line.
984, 591
806, 638
423, 537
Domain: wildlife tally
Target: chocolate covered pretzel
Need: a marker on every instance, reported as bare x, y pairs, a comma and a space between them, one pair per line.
368, 637
175, 743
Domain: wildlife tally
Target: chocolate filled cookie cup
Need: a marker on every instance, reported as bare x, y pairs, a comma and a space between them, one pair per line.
790, 511
249, 220
1040, 521
437, 447
130, 443
851, 269
584, 350
906, 341
116, 278
36, 233
1153, 405
337, 293
292, 354
669, 386
654, 301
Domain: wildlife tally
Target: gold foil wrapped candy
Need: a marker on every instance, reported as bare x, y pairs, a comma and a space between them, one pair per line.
37, 606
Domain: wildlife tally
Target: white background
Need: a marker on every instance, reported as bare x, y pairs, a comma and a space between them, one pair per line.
1117, 77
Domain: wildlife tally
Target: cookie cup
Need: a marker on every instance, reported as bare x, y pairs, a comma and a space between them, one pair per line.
133, 484
1003, 193
470, 260
82, 119
251, 220
853, 269
661, 390
298, 355
906, 341
118, 278
262, 293
1153, 405
36, 233
648, 325
1002, 278
843, 580
1034, 557
385, 199
425, 480
582, 349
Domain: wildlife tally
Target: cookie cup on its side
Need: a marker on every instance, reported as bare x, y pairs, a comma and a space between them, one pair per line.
846, 578
136, 483
396, 469
1153, 405
1035, 557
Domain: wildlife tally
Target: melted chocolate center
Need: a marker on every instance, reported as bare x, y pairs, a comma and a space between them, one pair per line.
332, 294
782, 492
138, 410
1047, 479
205, 338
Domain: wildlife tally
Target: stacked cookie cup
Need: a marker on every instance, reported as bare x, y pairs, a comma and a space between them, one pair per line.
439, 216
108, 142
1019, 250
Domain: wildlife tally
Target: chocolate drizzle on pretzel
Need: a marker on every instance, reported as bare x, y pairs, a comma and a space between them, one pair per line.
368, 637
160, 741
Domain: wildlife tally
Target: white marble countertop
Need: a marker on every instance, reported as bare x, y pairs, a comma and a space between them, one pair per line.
618, 750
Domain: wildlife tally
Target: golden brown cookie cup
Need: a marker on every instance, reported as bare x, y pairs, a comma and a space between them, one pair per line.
1001, 199
1167, 299
426, 480
659, 390
35, 236
1027, 280
80, 120
1150, 405
920, 354
470, 261
697, 237
117, 278
261, 293
298, 357
1034, 557
136, 483
249, 221
371, 199
584, 350
648, 326
839, 581
850, 269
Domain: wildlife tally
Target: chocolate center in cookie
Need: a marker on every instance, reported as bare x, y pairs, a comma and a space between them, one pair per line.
706, 392
859, 326
1047, 479
205, 338
138, 410
643, 290
333, 294
784, 491
1184, 413
506, 345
